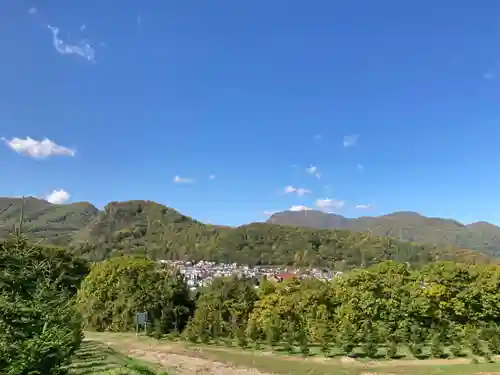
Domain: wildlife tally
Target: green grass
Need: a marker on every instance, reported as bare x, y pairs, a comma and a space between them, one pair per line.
295, 365
95, 358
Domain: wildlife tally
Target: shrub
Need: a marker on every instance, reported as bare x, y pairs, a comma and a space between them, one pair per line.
39, 327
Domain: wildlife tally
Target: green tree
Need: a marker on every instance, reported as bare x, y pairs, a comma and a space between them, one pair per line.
370, 339
437, 346
254, 333
347, 337
322, 327
118, 288
39, 327
273, 330
474, 340
223, 308
456, 336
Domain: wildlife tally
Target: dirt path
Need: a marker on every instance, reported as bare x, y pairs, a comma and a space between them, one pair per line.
186, 365
183, 359
180, 364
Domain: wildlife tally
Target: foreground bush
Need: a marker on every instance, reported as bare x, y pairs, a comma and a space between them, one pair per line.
39, 327
116, 289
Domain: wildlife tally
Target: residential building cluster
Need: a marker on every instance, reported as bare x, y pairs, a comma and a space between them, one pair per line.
202, 273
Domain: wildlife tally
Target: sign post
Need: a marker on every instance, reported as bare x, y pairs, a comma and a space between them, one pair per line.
141, 319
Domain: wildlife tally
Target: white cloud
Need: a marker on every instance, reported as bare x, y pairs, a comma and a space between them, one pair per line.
269, 213
329, 205
58, 196
489, 75
182, 180
212, 177
364, 206
83, 49
302, 191
299, 191
351, 140
83, 27
299, 208
32, 11
38, 149
360, 167
313, 170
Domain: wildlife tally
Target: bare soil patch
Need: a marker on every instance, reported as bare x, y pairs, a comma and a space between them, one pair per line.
184, 365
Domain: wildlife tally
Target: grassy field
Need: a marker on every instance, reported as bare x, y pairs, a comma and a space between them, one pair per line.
96, 358
188, 359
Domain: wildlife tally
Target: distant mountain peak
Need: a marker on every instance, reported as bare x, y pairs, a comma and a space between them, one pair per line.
405, 213
404, 225
482, 224
308, 219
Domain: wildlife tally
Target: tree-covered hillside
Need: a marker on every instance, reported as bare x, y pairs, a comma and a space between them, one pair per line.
158, 232
406, 226
52, 223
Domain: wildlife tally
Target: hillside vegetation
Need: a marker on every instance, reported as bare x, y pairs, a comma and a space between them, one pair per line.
54, 223
391, 310
406, 226
158, 232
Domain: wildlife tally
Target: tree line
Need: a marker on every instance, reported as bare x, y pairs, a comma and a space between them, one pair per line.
440, 309
155, 231
48, 297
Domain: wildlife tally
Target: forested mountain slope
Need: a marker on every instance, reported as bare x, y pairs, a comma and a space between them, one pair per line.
406, 226
159, 232
54, 223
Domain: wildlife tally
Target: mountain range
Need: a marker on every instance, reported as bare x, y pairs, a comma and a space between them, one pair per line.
403, 225
316, 239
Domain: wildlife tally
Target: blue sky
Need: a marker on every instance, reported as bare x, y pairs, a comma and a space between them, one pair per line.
254, 93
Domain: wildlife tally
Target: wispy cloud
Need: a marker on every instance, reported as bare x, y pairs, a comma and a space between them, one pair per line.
489, 75
139, 20
350, 140
364, 206
360, 167
57, 196
38, 149
212, 177
329, 205
83, 27
32, 11
182, 180
299, 191
313, 170
83, 49
299, 208
318, 137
